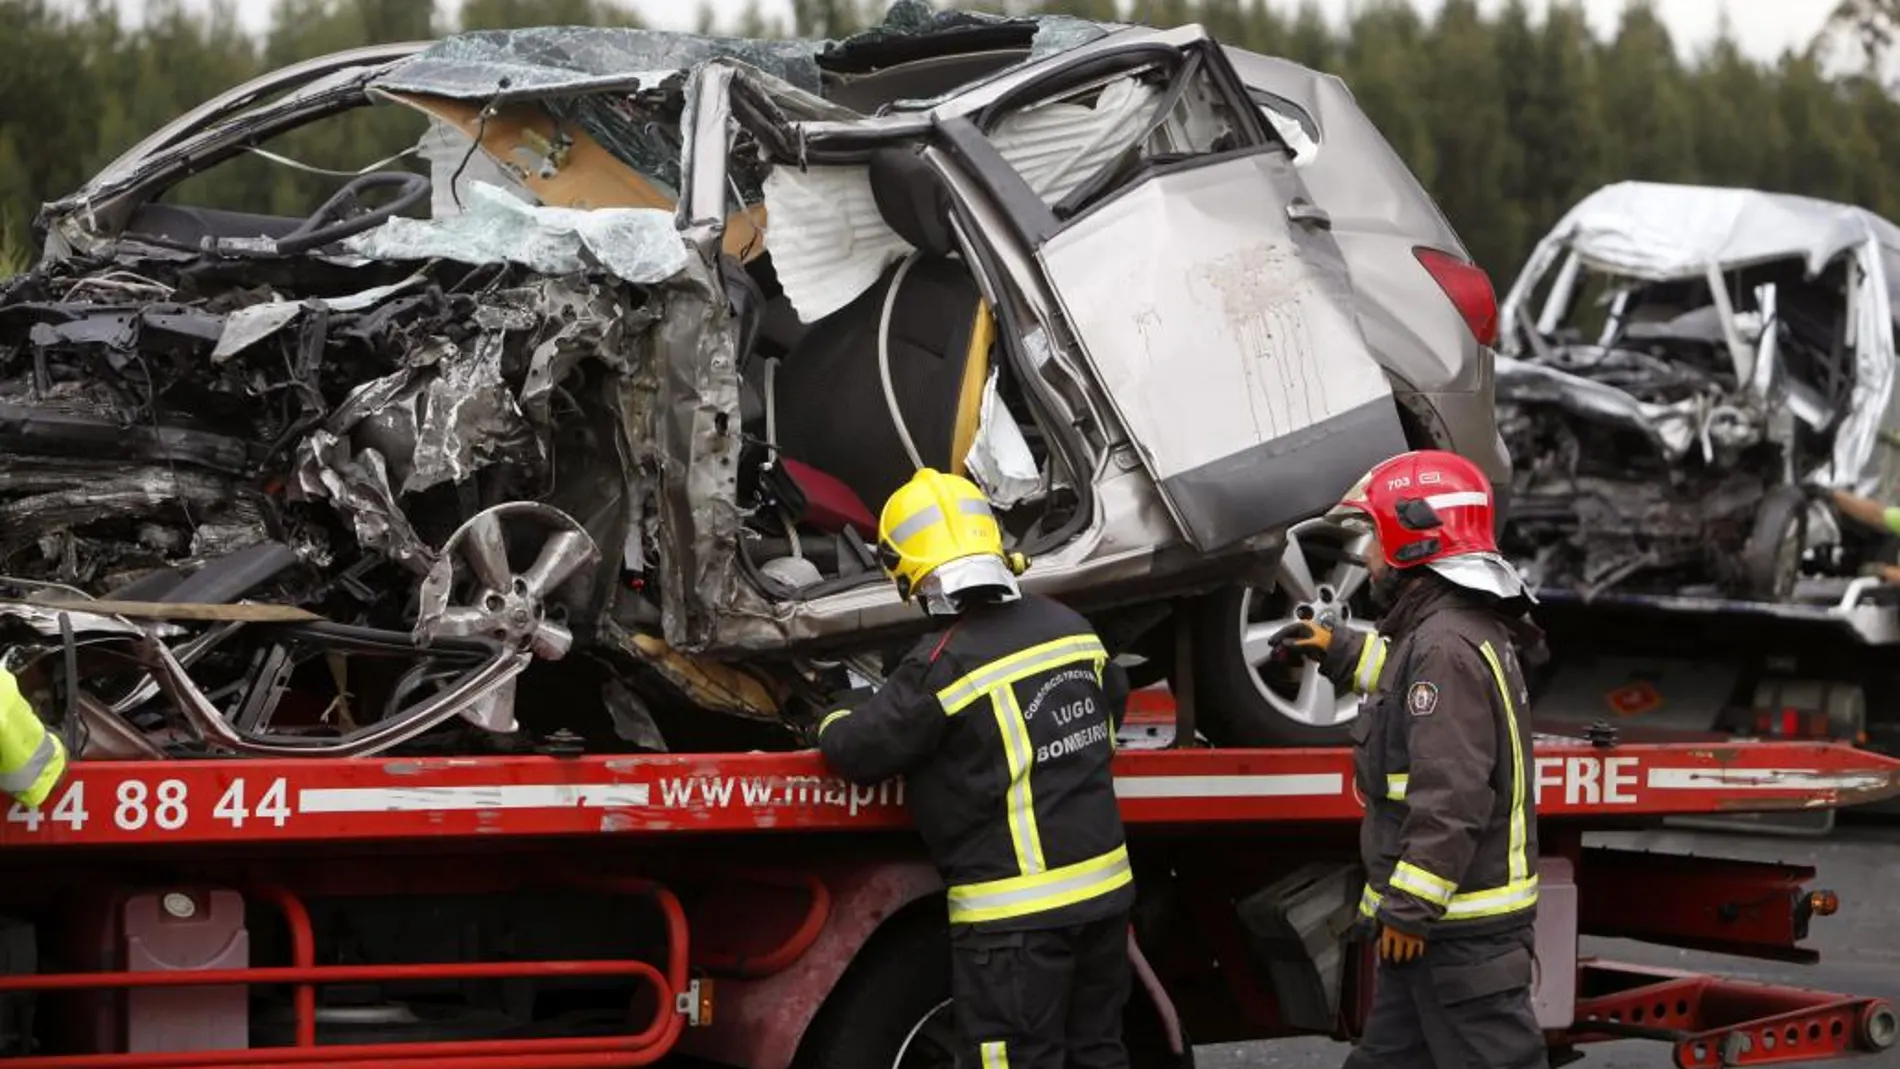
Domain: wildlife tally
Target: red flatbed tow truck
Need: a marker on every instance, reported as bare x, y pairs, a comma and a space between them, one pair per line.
564, 910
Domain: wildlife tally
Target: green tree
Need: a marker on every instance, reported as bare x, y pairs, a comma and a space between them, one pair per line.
1644, 87
513, 14
1474, 158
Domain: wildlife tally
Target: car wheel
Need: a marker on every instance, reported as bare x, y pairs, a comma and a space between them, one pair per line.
892, 1008
1247, 693
1771, 559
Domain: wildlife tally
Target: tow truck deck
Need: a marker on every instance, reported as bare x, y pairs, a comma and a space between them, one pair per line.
745, 904
1694, 668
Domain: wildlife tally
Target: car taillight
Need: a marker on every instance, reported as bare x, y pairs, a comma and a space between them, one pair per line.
1469, 289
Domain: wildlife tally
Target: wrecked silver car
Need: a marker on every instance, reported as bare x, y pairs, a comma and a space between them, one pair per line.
575, 417
1678, 364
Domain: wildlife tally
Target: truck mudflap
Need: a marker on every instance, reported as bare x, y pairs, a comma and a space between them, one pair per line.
1711, 1021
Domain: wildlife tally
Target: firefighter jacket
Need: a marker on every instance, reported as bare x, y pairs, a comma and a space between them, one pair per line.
1003, 725
1443, 760
32, 760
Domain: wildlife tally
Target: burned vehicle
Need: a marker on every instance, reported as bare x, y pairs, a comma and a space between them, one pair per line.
571, 422
1681, 367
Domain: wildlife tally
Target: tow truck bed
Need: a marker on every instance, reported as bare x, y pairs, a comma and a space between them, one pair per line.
292, 801
187, 914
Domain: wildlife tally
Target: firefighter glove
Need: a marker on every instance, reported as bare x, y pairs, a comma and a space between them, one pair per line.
1304, 638
1399, 948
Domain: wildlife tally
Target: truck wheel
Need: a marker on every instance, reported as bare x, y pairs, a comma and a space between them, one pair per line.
1245, 695
892, 1009
1771, 559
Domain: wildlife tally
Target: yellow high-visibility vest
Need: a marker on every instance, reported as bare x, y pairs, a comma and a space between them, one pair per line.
32, 759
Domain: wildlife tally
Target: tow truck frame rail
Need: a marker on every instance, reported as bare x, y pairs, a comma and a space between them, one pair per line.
737, 907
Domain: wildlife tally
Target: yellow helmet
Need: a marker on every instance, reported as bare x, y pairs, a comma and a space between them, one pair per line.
937, 520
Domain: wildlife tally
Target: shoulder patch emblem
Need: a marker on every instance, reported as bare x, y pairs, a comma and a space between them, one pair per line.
1422, 699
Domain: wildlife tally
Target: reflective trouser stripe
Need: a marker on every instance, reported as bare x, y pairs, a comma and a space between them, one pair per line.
32, 760
1495, 902
1395, 786
1365, 675
1419, 883
1023, 896
1021, 665
832, 718
995, 1055
1520, 863
1020, 754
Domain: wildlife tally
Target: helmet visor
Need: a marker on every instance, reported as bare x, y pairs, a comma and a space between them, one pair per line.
951, 580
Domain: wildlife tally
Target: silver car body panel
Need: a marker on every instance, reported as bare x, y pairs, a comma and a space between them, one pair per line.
1380, 214
1225, 340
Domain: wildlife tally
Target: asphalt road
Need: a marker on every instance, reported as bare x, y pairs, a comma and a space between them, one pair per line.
1860, 945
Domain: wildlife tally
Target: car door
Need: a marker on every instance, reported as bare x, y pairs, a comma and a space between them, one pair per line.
1203, 289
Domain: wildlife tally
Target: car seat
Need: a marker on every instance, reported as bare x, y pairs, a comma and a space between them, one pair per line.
918, 341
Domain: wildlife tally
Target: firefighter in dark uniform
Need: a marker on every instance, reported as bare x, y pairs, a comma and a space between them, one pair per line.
1442, 755
1003, 720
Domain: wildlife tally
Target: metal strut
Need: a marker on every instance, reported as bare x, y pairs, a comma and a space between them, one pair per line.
1712, 1022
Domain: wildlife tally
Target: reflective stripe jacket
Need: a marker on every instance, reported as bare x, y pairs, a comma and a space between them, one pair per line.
1440, 753
32, 760
1004, 725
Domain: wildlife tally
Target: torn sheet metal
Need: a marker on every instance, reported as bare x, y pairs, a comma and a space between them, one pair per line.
1673, 429
247, 326
999, 458
639, 245
469, 418
359, 488
697, 436
1857, 439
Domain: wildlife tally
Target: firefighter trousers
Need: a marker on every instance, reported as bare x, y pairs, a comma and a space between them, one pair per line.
1465, 1005
1049, 999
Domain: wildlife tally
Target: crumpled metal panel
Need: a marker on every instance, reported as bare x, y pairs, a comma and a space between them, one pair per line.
591, 325
469, 418
245, 327
698, 436
358, 487
999, 458
1855, 441
1673, 429
452, 410
639, 245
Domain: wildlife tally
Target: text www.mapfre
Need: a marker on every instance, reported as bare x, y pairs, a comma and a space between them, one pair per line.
768, 792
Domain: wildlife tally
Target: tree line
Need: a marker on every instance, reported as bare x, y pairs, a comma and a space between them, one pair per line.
1507, 117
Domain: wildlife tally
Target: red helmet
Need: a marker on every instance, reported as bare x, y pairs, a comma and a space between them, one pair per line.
1431, 507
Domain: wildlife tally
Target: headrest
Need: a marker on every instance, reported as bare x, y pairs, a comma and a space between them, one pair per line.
912, 200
